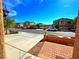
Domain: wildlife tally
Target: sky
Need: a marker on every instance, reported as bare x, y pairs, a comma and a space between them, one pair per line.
41, 11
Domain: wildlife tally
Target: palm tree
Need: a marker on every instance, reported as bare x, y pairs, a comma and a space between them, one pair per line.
9, 23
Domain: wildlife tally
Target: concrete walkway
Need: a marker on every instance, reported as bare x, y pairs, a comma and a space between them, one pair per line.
63, 34
18, 44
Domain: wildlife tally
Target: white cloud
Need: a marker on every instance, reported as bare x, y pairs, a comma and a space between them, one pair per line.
8, 4
17, 2
12, 13
13, 3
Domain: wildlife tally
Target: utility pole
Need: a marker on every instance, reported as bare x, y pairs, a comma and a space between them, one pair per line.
76, 44
2, 55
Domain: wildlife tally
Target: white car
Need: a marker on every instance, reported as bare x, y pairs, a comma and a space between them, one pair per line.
52, 29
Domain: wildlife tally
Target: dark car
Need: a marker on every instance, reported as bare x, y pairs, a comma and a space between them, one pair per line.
72, 30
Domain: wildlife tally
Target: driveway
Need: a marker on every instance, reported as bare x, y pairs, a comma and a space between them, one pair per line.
18, 44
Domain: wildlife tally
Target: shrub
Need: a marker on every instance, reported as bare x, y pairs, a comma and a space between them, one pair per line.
13, 31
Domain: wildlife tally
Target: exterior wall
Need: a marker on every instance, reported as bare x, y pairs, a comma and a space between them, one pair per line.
74, 23
63, 23
42, 26
29, 25
19, 25
25, 25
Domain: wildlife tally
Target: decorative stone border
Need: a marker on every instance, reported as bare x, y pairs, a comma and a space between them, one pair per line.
59, 39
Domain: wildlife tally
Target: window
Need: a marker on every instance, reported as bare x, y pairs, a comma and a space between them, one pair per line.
61, 22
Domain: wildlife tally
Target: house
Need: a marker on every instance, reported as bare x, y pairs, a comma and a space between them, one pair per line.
30, 25
63, 23
74, 22
25, 25
19, 25
41, 26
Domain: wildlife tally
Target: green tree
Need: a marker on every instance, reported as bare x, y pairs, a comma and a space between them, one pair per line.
9, 23
56, 26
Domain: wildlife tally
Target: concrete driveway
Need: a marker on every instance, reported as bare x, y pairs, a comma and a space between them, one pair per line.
18, 44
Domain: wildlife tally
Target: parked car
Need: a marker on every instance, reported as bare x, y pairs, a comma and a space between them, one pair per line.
72, 30
52, 29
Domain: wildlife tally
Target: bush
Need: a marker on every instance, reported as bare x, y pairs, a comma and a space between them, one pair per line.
13, 31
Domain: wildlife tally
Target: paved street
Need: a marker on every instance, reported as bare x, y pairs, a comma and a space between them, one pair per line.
57, 33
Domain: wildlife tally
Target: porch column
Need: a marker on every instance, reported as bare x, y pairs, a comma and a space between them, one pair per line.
1, 33
76, 44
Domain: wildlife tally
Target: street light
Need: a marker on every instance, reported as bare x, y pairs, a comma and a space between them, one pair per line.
5, 14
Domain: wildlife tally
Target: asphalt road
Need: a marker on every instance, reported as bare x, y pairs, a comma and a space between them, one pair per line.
37, 31
40, 31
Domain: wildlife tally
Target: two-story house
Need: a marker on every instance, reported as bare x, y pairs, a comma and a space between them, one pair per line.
63, 23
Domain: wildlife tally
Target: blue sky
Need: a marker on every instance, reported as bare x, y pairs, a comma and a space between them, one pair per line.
41, 11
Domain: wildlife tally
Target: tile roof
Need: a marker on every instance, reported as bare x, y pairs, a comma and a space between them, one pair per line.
48, 50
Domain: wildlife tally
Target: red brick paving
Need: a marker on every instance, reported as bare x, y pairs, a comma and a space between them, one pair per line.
50, 50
